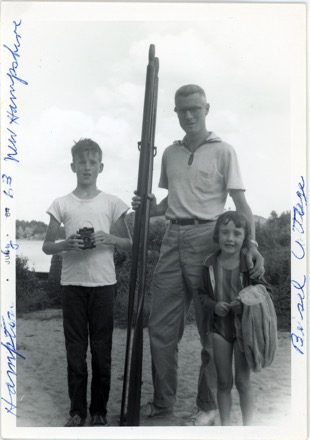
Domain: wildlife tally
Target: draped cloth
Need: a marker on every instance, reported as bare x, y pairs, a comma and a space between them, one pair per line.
257, 327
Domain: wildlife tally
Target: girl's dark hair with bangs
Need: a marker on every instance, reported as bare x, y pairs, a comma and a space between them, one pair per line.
239, 220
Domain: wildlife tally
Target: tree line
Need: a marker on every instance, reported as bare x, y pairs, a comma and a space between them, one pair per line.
34, 230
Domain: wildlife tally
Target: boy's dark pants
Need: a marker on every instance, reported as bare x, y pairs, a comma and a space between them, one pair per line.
88, 311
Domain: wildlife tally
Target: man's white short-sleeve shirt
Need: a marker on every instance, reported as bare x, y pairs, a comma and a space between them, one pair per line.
198, 187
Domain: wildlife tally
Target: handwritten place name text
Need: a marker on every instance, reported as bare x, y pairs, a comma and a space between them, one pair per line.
12, 113
9, 343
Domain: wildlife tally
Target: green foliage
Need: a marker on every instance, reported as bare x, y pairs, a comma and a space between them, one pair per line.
274, 244
123, 268
122, 262
156, 233
30, 296
275, 233
54, 289
34, 230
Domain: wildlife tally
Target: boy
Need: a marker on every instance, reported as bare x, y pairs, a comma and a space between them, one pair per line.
88, 279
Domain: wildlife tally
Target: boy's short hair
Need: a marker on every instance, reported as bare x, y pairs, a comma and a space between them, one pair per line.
85, 145
189, 89
238, 219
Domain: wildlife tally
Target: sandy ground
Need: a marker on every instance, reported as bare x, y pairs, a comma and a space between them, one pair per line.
42, 399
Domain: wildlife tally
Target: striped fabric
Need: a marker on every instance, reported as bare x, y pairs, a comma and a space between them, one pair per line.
227, 289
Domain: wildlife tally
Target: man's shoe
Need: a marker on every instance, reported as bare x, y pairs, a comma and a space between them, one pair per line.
201, 418
151, 410
75, 421
99, 420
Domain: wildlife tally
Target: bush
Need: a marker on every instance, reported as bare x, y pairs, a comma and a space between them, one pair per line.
122, 266
274, 239
54, 289
30, 296
123, 269
278, 274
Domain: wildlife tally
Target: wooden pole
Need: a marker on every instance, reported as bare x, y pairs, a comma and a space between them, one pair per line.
139, 250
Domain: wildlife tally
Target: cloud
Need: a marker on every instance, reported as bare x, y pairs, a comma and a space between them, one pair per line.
97, 90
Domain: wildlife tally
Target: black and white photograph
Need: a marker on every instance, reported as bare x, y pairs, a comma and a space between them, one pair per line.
153, 220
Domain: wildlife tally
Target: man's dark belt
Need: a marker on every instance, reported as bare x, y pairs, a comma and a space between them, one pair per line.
188, 221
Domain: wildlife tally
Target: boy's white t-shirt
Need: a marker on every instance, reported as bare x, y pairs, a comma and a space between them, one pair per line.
90, 267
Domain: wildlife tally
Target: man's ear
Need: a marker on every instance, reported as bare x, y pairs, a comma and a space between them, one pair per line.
101, 168
207, 108
73, 167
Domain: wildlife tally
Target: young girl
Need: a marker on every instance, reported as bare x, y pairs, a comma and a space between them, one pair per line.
224, 274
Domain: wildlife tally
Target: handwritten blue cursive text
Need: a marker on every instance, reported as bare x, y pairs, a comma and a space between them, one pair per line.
299, 209
299, 253
7, 250
9, 343
12, 112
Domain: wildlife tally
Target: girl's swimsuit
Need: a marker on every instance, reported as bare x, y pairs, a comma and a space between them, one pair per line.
227, 289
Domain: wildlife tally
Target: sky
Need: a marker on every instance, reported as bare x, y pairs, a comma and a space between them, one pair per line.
86, 68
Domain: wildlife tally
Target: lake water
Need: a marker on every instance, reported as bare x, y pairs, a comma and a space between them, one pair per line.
37, 259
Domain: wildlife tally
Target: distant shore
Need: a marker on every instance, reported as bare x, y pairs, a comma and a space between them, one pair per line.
32, 250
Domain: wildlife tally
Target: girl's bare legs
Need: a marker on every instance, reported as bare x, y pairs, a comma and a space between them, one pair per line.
223, 352
243, 385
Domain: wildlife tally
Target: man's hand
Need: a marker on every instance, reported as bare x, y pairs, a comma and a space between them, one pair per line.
73, 243
136, 202
222, 309
255, 262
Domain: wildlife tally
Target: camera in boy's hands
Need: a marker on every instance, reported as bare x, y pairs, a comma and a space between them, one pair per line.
85, 234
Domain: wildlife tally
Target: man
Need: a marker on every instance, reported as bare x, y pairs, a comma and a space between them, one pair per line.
198, 172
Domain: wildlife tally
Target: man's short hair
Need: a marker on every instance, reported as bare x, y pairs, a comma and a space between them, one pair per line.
85, 145
189, 89
238, 219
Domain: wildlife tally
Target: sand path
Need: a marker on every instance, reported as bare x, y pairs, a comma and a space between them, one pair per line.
42, 399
